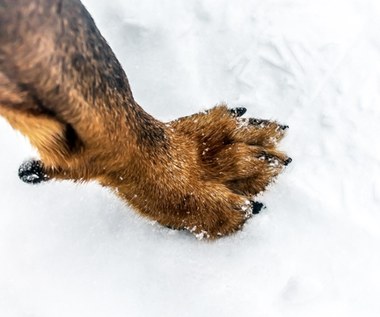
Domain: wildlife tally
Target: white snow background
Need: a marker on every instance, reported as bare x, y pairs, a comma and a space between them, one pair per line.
76, 250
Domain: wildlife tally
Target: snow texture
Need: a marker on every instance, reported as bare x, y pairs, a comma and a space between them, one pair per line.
76, 250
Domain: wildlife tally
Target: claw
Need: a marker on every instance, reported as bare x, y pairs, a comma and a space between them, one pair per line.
31, 172
258, 122
284, 127
287, 161
256, 207
238, 111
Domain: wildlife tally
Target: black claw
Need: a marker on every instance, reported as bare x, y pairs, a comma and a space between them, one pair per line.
31, 172
258, 122
256, 207
284, 127
287, 161
238, 111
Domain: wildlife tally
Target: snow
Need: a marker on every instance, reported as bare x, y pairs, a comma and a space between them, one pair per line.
76, 250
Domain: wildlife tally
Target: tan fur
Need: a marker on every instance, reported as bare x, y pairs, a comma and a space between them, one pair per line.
62, 87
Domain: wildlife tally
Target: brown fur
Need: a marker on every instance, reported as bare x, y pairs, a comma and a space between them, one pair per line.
62, 87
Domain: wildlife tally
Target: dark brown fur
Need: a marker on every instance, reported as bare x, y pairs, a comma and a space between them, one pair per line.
62, 87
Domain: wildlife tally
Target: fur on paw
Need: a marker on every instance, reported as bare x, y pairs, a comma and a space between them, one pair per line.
237, 153
32, 172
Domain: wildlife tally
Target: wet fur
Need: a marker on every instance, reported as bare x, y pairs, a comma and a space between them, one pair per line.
63, 88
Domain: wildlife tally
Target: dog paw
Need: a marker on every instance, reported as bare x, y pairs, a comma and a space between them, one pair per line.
227, 160
32, 172
238, 152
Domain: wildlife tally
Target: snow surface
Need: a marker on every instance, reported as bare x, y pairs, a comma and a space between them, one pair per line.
75, 250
